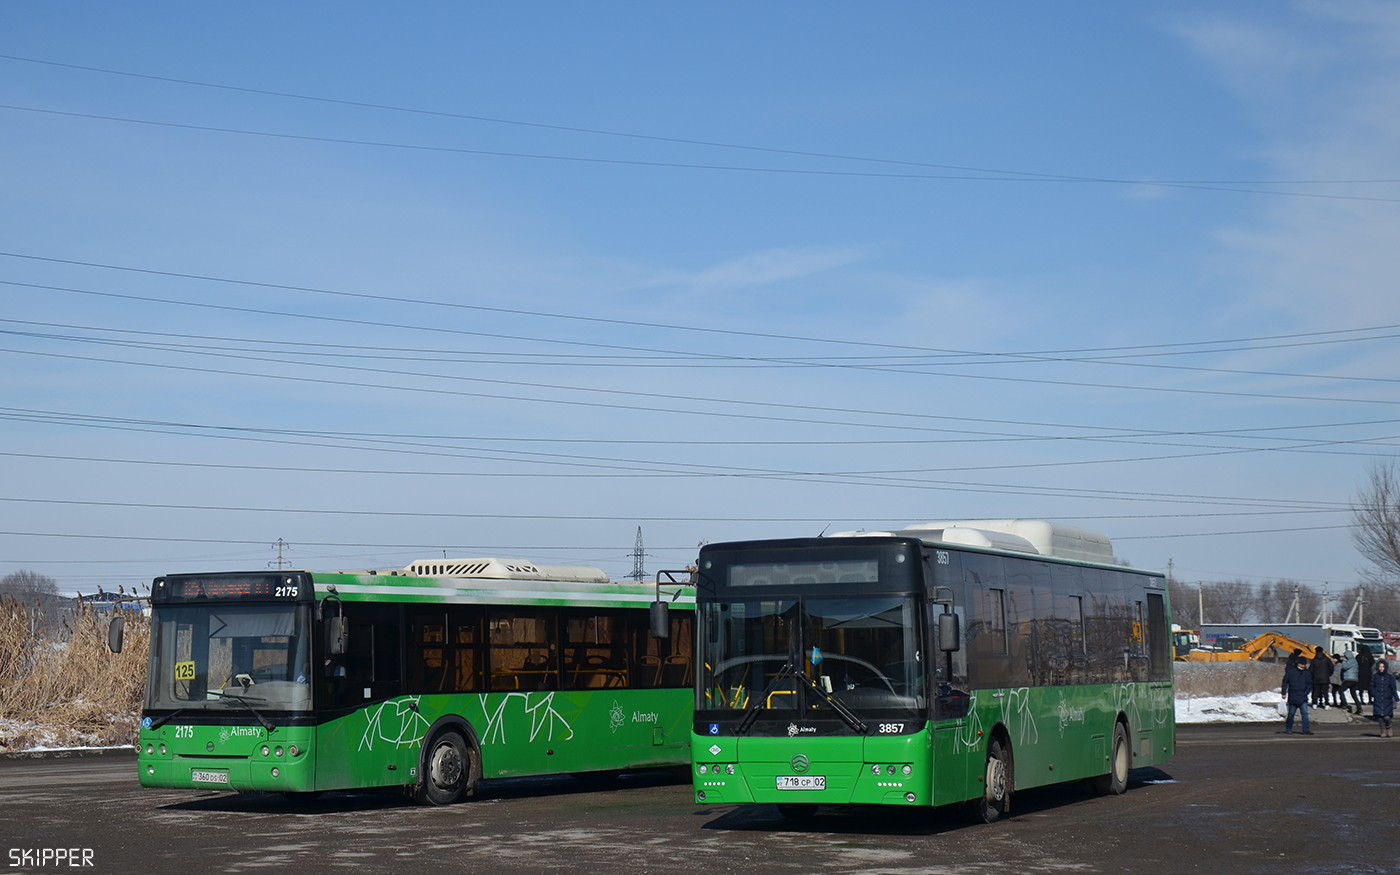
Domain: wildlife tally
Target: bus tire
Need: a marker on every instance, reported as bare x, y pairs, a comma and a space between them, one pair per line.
447, 770
1116, 781
995, 801
797, 810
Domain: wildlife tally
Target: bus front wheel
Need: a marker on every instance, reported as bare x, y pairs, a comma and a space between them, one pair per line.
995, 802
1116, 781
447, 771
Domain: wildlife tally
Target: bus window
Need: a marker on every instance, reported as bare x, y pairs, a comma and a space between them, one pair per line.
995, 600
1158, 651
524, 651
444, 653
595, 650
666, 662
371, 666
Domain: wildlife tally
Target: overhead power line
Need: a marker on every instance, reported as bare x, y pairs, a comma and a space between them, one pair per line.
183, 342
1073, 355
631, 135
678, 165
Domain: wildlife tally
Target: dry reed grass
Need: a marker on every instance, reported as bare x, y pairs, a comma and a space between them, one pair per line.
60, 686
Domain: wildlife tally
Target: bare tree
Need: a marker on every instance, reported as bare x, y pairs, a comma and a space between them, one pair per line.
1183, 596
1375, 516
1229, 601
38, 594
24, 583
1271, 602
1275, 601
1381, 607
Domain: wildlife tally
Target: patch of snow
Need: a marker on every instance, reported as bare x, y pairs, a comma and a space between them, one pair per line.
30, 736
1259, 707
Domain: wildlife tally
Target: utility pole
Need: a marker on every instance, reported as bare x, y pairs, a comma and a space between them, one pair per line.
279, 547
1201, 606
1294, 610
1324, 613
639, 571
1358, 608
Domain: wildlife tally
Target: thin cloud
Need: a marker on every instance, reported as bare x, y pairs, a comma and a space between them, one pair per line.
1327, 92
763, 268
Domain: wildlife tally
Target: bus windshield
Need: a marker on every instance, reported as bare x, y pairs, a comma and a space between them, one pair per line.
227, 657
798, 653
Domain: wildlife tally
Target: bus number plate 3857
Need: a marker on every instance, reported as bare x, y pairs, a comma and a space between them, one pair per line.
801, 782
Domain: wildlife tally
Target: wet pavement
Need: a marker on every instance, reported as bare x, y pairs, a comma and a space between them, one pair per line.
1240, 799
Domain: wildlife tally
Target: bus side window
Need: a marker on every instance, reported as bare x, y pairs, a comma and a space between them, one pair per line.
1159, 652
524, 649
595, 650
372, 665
664, 662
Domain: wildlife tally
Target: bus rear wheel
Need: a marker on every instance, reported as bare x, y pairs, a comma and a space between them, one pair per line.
995, 802
1116, 781
447, 771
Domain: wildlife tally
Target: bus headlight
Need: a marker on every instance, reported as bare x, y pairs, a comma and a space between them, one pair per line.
294, 750
729, 768
264, 750
874, 770
279, 750
704, 770
162, 750
908, 770
909, 797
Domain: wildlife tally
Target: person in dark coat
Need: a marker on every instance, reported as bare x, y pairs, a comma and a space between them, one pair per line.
1297, 688
1383, 697
1364, 661
1322, 678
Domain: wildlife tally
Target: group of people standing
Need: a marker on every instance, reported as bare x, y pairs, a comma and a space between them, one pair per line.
1339, 675
1317, 676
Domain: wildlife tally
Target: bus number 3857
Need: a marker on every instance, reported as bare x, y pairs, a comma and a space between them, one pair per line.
888, 728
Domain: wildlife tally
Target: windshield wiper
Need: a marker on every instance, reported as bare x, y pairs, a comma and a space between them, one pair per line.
267, 724
839, 707
158, 722
752, 710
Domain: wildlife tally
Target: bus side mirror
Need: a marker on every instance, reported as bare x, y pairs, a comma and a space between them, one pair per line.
337, 630
115, 630
949, 640
660, 620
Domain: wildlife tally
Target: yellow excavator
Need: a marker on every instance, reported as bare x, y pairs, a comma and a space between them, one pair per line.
1271, 646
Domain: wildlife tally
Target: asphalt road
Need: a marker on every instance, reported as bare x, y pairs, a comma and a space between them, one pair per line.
1236, 799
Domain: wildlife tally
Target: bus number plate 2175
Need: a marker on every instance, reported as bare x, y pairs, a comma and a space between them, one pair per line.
801, 782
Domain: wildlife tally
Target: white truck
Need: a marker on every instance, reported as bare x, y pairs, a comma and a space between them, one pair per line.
1332, 637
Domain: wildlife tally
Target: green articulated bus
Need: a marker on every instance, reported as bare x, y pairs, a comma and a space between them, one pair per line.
426, 679
944, 663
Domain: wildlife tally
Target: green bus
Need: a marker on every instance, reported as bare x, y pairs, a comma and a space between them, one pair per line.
943, 663
426, 679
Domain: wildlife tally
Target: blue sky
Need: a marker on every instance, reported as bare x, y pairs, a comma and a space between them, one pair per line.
515, 280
